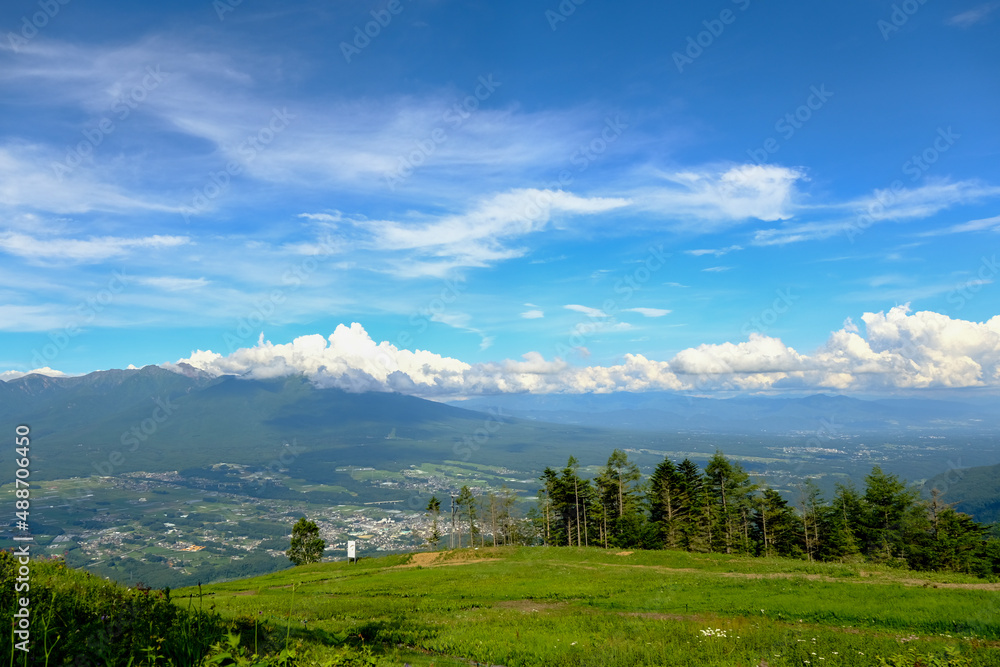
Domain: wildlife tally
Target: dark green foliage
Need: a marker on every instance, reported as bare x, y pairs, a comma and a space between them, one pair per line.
307, 546
721, 510
84, 620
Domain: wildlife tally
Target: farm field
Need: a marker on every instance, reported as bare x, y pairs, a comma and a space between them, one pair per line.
586, 606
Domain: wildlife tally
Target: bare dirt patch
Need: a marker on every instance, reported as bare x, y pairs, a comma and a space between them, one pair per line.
434, 559
423, 559
624, 553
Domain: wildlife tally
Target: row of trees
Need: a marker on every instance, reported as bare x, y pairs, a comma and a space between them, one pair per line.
493, 514
721, 509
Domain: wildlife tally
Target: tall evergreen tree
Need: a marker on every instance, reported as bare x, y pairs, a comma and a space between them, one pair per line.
887, 501
775, 526
667, 503
730, 488
696, 522
617, 484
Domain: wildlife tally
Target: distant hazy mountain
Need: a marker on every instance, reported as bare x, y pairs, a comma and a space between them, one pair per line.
153, 419
773, 415
975, 490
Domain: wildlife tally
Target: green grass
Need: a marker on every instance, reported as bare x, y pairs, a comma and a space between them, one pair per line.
563, 606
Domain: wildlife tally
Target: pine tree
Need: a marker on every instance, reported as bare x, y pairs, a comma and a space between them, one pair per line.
665, 501
695, 523
886, 503
730, 488
619, 495
775, 526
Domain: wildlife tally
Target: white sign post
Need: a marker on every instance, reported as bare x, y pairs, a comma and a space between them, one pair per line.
350, 552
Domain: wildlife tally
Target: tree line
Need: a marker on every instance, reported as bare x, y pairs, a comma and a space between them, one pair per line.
721, 509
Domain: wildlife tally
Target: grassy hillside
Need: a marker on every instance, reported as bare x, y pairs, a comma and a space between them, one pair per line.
580, 606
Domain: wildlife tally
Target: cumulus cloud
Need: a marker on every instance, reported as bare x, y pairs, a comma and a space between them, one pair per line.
7, 376
899, 350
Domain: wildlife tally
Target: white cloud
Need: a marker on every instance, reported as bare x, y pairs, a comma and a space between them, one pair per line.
765, 192
7, 376
533, 314
587, 310
29, 182
481, 236
715, 252
899, 351
91, 250
173, 284
973, 16
717, 269
981, 225
462, 321
884, 206
648, 312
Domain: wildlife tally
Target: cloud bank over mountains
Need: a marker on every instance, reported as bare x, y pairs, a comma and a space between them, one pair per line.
898, 350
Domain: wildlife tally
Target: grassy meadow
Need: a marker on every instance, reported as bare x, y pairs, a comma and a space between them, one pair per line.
587, 606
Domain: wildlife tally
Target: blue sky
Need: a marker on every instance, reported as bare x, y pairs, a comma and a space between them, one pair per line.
727, 196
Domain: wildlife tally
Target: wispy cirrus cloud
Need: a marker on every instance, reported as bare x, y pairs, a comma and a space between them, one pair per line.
486, 233
883, 205
648, 312
715, 252
971, 17
90, 250
981, 225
